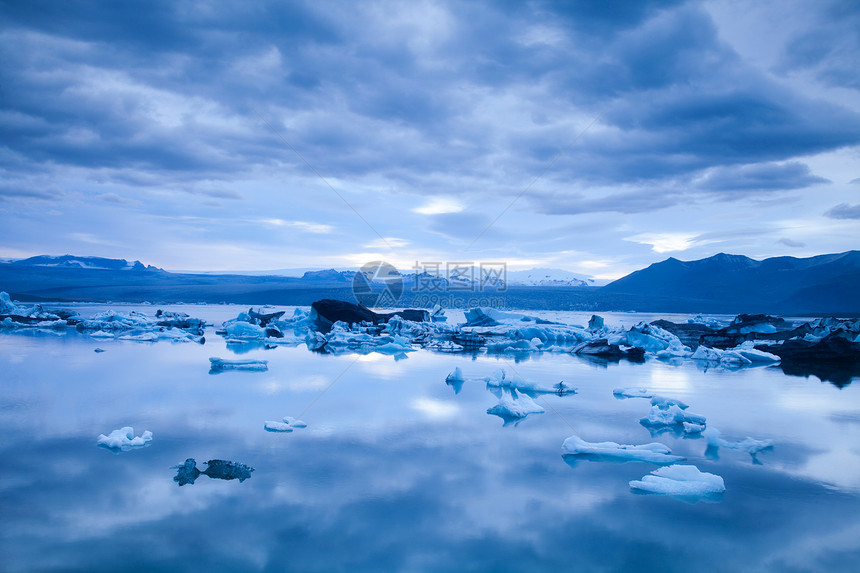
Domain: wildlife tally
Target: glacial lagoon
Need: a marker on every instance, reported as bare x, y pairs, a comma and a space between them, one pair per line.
395, 471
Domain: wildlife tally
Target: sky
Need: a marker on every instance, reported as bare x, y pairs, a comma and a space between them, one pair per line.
595, 137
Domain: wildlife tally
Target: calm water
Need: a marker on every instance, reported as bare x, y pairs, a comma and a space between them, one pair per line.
397, 473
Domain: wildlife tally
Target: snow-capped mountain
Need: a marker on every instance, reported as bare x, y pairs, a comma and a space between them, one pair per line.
73, 262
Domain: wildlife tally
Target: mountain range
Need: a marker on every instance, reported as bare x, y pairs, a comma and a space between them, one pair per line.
721, 284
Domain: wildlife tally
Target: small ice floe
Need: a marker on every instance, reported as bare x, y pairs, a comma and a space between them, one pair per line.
681, 481
654, 453
499, 379
123, 440
743, 355
749, 445
671, 415
217, 365
665, 402
188, 473
513, 407
287, 425
622, 393
456, 380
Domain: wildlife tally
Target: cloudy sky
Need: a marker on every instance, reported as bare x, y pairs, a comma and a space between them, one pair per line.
596, 137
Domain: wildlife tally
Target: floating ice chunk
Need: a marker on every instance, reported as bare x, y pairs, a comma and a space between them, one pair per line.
272, 426
514, 382
680, 480
664, 402
748, 351
124, 439
456, 380
217, 365
622, 393
750, 445
288, 425
244, 330
690, 428
514, 406
140, 337
671, 416
655, 453
295, 423
710, 322
102, 334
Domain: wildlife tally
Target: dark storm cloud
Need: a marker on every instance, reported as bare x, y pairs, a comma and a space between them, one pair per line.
629, 202
23, 190
844, 211
829, 45
762, 177
469, 90
791, 243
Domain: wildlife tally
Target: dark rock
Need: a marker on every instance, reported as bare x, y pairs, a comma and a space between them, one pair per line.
602, 349
690, 334
834, 358
264, 319
324, 313
187, 473
223, 469
469, 340
274, 332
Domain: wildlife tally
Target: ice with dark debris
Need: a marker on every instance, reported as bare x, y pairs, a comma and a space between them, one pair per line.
217, 365
499, 379
124, 440
682, 481
655, 452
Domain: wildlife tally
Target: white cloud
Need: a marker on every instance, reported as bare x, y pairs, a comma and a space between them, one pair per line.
303, 225
665, 242
436, 409
439, 205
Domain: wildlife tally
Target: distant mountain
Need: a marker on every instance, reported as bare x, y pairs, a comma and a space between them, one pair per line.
550, 277
722, 284
822, 284
73, 262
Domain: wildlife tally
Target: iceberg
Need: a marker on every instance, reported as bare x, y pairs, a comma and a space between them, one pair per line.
500, 380
622, 393
217, 365
670, 416
655, 453
287, 425
123, 440
513, 407
743, 355
680, 480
